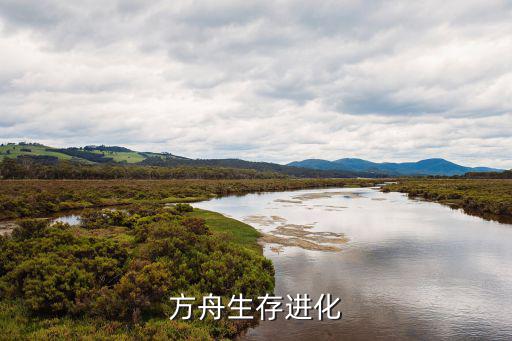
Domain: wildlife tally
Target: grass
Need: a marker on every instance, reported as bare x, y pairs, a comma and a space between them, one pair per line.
15, 151
231, 229
40, 198
129, 157
237, 231
489, 199
17, 324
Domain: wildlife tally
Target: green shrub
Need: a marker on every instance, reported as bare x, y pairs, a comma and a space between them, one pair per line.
29, 228
182, 208
70, 274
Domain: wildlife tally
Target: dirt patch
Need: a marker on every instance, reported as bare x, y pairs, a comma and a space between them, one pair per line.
296, 226
326, 195
297, 235
264, 220
302, 236
289, 201
258, 219
277, 249
331, 208
312, 236
6, 227
304, 244
278, 219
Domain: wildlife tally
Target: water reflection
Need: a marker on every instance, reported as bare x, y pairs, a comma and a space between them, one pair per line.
411, 269
71, 219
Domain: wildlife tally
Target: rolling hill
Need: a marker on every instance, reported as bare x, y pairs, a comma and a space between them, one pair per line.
121, 155
346, 167
434, 166
87, 154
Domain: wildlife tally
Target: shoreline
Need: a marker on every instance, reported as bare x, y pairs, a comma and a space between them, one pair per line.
488, 199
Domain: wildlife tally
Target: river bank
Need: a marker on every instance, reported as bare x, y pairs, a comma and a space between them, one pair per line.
490, 199
40, 198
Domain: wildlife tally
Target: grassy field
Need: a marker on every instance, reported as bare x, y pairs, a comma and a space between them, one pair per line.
490, 199
128, 157
17, 324
39, 198
232, 229
14, 151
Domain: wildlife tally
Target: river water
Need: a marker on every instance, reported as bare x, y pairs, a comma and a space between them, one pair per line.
408, 269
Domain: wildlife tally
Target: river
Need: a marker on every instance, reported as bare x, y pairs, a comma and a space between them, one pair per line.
405, 269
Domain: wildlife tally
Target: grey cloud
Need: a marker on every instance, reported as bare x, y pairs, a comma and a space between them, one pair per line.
36, 14
263, 80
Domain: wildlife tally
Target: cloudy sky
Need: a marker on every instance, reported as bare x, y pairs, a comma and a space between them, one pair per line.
262, 80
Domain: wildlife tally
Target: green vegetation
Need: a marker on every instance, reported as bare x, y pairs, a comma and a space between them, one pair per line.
41, 167
117, 154
122, 158
112, 276
128, 157
259, 166
490, 199
489, 175
231, 229
15, 150
102, 153
40, 198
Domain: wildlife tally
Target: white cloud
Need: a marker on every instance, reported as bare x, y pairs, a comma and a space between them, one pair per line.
265, 80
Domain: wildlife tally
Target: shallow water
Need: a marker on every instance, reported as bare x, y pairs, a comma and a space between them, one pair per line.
410, 269
7, 226
71, 217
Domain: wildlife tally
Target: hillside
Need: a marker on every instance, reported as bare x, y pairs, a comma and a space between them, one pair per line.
115, 155
302, 172
87, 154
434, 166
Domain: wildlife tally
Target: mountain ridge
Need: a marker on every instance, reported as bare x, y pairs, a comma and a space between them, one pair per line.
345, 167
431, 166
94, 154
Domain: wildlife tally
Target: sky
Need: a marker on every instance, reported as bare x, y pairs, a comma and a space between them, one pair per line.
262, 80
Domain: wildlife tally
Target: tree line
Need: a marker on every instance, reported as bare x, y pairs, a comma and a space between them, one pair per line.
48, 167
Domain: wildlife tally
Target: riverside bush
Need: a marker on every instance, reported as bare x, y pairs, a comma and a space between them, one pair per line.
119, 268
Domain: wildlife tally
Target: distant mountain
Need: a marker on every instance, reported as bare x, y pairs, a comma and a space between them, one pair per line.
314, 168
301, 172
424, 167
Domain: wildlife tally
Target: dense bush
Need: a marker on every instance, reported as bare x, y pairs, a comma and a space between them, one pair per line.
35, 198
95, 219
104, 148
50, 268
84, 154
183, 208
123, 265
487, 198
49, 167
488, 175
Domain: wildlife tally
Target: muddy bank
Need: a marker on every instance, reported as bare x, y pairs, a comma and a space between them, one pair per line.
263, 220
297, 235
302, 243
322, 195
6, 227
